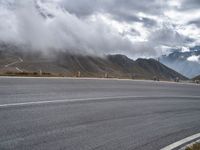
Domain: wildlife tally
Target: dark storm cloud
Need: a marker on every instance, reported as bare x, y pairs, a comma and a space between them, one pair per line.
169, 37
195, 22
190, 4
131, 31
148, 22
120, 9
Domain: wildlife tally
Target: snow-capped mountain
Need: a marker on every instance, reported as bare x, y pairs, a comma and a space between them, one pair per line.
185, 62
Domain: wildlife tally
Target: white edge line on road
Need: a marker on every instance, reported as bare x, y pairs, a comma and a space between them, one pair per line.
181, 142
87, 99
62, 101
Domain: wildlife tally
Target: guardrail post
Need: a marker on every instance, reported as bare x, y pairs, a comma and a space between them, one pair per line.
106, 75
78, 74
40, 72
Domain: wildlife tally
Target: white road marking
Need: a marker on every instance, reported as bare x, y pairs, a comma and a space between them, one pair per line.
89, 99
181, 142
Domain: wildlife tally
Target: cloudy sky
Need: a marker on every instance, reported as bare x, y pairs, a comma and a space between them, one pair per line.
138, 28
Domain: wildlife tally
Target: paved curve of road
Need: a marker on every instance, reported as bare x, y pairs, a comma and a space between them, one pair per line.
111, 114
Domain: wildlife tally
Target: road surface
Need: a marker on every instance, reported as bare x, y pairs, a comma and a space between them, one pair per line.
91, 114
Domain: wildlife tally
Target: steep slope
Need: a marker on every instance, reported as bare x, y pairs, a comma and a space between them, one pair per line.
60, 63
145, 68
152, 66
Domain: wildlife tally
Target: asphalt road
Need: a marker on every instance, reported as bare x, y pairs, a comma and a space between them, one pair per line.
95, 114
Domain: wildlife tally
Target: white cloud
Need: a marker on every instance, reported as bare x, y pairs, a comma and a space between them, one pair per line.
194, 58
185, 49
99, 26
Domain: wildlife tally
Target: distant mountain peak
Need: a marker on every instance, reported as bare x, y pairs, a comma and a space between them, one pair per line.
187, 62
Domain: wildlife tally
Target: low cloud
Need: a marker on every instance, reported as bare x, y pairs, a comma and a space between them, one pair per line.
96, 27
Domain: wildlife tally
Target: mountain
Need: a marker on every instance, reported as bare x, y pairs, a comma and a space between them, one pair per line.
197, 78
60, 63
145, 68
187, 63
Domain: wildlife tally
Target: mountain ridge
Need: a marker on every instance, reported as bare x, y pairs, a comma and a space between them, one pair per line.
119, 66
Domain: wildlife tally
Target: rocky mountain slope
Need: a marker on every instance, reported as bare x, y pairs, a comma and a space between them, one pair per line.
65, 64
197, 78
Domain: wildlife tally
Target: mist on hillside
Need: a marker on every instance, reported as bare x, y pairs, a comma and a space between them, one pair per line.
46, 26
85, 27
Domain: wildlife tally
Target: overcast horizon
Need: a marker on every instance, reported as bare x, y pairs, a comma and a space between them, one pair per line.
136, 28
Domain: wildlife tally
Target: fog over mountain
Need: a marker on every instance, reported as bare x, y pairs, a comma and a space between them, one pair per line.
185, 61
136, 28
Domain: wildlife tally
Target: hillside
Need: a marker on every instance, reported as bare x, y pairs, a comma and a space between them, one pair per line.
196, 78
64, 64
145, 68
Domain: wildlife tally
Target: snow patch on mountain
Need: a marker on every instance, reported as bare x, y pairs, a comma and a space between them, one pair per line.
194, 58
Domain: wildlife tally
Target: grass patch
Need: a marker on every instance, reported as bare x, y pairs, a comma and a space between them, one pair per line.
195, 146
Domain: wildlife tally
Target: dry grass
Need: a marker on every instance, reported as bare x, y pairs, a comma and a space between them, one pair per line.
195, 146
10, 73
